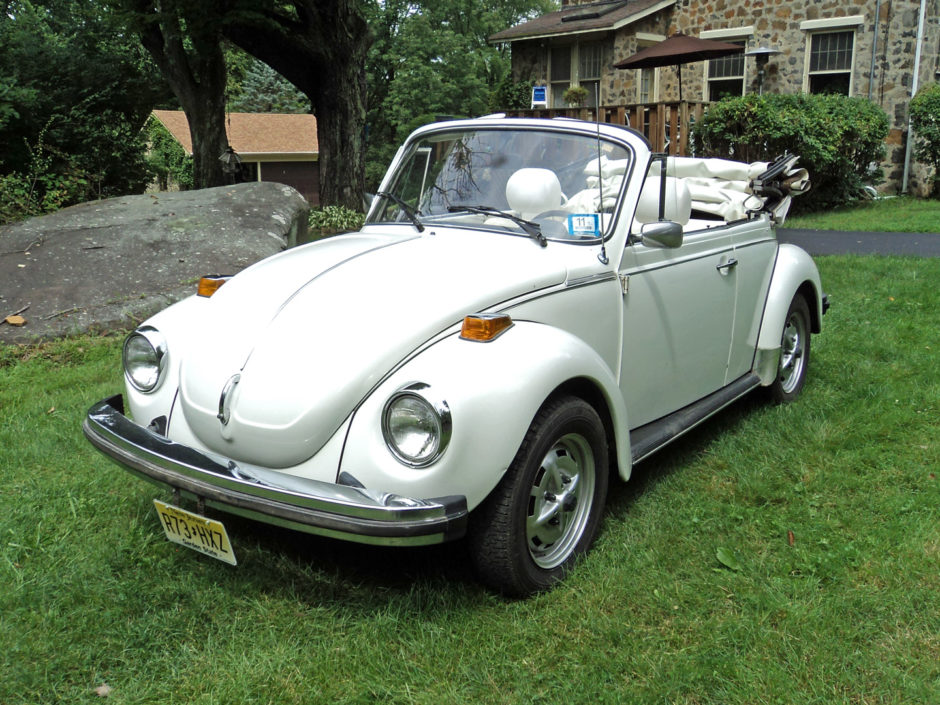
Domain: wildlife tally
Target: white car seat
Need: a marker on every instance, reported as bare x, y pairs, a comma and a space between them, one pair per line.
678, 203
531, 191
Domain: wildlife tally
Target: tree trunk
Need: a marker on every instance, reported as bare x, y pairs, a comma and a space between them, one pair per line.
340, 107
192, 62
205, 111
321, 49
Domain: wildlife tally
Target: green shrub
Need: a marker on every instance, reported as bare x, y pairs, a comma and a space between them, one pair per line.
925, 119
335, 219
510, 95
53, 180
16, 201
575, 96
839, 140
167, 159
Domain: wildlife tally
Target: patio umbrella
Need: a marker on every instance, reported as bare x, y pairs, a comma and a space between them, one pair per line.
677, 50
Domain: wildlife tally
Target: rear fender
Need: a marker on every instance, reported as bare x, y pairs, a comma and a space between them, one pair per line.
794, 272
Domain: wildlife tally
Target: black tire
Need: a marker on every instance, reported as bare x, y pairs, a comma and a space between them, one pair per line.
794, 353
560, 474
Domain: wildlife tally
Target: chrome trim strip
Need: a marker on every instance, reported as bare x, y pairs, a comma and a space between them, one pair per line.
224, 399
591, 279
311, 506
655, 267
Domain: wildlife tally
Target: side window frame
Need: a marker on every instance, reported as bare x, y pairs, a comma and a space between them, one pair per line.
733, 35
828, 27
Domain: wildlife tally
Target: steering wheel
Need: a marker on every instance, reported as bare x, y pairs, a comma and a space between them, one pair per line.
551, 214
556, 222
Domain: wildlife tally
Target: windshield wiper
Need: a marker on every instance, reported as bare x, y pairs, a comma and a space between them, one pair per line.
532, 229
412, 213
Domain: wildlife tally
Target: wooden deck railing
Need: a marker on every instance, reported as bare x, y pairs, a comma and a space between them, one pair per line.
665, 124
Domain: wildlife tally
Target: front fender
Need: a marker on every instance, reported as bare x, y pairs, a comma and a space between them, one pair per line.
493, 391
794, 272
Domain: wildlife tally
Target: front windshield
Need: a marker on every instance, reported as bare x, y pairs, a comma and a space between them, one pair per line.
513, 180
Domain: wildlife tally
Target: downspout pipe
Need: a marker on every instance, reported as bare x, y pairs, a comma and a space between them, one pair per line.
874, 50
914, 86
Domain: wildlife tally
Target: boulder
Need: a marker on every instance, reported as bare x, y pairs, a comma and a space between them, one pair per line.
107, 265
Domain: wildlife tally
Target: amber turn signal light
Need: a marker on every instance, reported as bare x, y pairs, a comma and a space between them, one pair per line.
484, 327
208, 285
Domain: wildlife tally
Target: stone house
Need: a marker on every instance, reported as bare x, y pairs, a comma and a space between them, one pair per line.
279, 147
867, 48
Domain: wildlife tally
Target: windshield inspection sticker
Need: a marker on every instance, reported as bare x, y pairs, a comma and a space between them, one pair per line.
584, 225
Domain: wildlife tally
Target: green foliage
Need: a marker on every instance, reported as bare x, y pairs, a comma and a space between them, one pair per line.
442, 73
52, 179
840, 140
167, 159
335, 219
510, 95
74, 91
575, 95
925, 119
254, 87
382, 154
433, 58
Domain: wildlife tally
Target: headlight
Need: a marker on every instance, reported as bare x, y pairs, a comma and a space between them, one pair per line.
145, 358
416, 425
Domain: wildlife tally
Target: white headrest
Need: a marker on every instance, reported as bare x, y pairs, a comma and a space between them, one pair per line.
678, 201
532, 191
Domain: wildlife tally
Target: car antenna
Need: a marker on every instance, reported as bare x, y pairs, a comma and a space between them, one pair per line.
602, 255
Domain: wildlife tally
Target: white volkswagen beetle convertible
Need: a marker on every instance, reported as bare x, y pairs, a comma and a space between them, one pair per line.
531, 306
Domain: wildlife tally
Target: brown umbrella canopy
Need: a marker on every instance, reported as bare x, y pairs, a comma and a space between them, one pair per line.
677, 50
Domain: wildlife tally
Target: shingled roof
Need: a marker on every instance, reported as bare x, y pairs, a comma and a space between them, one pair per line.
578, 19
253, 134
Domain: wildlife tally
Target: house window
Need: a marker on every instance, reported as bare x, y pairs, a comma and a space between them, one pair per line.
726, 75
646, 86
589, 70
577, 64
830, 62
560, 74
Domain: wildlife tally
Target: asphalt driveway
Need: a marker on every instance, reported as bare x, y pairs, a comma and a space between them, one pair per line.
832, 242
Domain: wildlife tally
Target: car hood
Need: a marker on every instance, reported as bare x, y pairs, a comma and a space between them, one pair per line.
299, 339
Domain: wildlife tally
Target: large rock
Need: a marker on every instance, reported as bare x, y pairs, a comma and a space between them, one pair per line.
109, 264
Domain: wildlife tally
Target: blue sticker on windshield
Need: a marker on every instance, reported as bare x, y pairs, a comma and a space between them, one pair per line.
584, 224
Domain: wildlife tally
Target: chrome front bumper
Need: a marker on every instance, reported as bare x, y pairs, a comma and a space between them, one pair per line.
324, 508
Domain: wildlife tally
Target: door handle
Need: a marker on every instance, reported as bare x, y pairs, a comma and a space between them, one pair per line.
725, 267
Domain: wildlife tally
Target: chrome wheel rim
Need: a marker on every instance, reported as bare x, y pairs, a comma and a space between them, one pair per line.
792, 359
560, 501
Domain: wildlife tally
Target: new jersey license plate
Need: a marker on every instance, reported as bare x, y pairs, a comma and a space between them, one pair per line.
197, 532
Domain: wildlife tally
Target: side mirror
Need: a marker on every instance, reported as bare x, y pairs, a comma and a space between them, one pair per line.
663, 233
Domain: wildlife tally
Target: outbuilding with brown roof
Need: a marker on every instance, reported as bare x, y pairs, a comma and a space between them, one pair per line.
277, 147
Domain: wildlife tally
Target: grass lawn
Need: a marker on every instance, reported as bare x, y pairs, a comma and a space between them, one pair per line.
776, 555
902, 214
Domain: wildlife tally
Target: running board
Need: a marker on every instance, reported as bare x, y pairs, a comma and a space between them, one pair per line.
647, 439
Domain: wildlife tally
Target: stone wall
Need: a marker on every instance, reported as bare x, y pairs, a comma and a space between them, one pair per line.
621, 84
777, 24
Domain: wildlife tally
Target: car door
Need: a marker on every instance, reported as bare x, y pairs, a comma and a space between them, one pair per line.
678, 318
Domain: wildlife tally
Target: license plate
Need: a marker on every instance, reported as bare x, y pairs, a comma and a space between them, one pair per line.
199, 533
